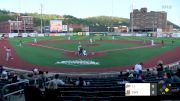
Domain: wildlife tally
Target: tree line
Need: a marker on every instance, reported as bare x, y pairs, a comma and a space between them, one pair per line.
67, 19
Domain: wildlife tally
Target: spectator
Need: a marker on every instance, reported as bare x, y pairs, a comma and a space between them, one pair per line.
42, 79
160, 68
127, 73
134, 79
35, 71
4, 75
51, 93
161, 82
58, 81
52, 85
69, 81
80, 82
47, 72
131, 77
138, 67
148, 72
167, 78
175, 78
15, 79
21, 77
120, 74
1, 69
140, 76
154, 72
125, 80
32, 93
178, 73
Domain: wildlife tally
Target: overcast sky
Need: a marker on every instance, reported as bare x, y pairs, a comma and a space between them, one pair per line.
88, 8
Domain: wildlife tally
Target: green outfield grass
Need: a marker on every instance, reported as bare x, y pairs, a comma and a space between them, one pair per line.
48, 57
100, 45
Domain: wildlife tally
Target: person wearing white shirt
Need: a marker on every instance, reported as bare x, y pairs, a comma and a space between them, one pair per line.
58, 81
84, 52
90, 40
35, 40
138, 67
80, 82
8, 54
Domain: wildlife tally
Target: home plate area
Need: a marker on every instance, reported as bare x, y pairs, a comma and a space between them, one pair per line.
89, 54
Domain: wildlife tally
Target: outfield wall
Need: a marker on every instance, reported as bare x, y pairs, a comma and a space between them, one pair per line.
12, 35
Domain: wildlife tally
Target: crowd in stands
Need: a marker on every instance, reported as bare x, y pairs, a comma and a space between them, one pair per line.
162, 74
9, 76
43, 86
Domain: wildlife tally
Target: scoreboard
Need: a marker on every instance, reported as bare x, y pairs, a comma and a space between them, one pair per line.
56, 26
147, 89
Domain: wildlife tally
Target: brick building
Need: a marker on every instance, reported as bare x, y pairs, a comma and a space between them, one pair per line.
144, 21
27, 23
23, 25
10, 26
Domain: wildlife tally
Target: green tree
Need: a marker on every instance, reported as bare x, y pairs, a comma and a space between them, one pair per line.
76, 30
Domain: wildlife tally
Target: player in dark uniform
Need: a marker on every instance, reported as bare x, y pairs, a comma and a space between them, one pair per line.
162, 43
172, 42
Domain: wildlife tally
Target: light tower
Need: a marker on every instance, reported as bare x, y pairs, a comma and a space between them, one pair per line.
132, 15
41, 17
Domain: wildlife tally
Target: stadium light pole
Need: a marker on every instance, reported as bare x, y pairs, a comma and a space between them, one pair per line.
153, 21
19, 14
41, 17
9, 26
111, 30
17, 24
132, 15
24, 26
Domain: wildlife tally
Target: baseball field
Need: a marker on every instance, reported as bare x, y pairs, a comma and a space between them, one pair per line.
104, 54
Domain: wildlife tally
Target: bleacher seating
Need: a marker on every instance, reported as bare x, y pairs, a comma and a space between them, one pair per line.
104, 88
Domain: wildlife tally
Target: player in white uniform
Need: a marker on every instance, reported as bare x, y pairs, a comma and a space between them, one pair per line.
35, 40
152, 43
90, 40
20, 43
69, 38
84, 52
8, 54
113, 38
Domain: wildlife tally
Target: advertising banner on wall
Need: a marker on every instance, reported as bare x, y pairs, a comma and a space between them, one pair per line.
24, 34
176, 35
56, 26
12, 35
64, 28
40, 35
159, 35
32, 34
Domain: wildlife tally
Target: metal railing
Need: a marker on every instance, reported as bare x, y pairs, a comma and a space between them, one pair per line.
5, 87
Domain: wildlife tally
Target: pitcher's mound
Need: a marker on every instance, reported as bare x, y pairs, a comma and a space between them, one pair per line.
89, 54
